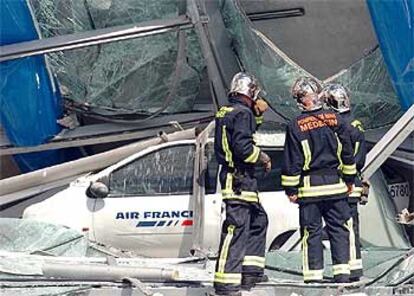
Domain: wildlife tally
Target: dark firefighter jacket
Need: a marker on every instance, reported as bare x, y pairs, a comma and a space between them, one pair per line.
360, 151
234, 146
318, 156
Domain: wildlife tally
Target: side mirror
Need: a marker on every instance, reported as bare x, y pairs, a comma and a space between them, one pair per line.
97, 190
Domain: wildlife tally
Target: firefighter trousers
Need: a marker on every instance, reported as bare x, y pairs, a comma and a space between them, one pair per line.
242, 245
355, 261
337, 216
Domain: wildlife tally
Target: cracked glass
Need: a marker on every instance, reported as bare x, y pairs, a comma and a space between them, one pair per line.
142, 76
373, 98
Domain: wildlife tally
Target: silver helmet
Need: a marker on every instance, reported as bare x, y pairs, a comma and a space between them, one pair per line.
305, 89
336, 97
245, 84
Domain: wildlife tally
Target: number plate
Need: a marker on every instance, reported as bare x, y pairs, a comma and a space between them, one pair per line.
399, 190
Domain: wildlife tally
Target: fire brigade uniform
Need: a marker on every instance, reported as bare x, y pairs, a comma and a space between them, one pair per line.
316, 141
359, 147
242, 244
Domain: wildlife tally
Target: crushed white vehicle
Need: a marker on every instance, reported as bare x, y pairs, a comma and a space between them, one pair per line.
143, 220
165, 201
147, 202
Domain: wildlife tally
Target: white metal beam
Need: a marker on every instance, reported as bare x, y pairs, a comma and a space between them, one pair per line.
389, 142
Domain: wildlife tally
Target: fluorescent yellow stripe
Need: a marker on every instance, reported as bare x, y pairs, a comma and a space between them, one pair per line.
339, 152
313, 275
356, 148
223, 111
245, 196
225, 145
229, 182
355, 264
306, 182
252, 158
356, 192
357, 124
289, 184
225, 249
340, 269
259, 119
249, 193
349, 169
307, 154
228, 191
290, 180
323, 190
305, 262
254, 261
352, 248
227, 278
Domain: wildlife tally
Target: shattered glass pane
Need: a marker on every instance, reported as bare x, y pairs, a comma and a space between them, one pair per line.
288, 265
125, 77
375, 102
57, 17
275, 73
373, 98
30, 236
167, 171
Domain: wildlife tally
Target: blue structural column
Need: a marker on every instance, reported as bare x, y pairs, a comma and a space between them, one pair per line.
29, 106
394, 25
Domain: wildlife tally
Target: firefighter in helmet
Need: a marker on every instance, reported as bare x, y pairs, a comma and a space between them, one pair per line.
242, 246
318, 173
337, 98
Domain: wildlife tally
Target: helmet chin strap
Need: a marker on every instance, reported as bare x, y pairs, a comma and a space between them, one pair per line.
247, 100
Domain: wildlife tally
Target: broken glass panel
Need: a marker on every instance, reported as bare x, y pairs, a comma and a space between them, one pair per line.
30, 236
138, 76
376, 261
166, 171
374, 100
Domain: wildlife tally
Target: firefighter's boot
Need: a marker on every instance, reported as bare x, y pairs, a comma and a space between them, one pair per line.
249, 281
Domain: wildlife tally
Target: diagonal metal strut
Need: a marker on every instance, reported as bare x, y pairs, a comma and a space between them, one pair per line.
95, 37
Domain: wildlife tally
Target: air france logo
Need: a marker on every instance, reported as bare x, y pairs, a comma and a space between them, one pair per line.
158, 219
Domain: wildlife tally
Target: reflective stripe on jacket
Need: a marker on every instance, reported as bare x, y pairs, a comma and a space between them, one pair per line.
318, 156
359, 149
235, 125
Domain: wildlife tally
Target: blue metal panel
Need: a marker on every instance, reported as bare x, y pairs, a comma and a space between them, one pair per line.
394, 25
29, 106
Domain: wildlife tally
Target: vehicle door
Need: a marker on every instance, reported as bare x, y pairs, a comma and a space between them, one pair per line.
212, 213
149, 209
283, 216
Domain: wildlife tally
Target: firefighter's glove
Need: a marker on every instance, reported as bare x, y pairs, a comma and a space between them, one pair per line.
293, 198
260, 107
265, 160
405, 217
365, 192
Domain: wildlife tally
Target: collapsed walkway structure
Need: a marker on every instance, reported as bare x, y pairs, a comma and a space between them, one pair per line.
126, 70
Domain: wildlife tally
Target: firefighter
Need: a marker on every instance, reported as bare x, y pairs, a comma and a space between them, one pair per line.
336, 98
242, 246
316, 141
